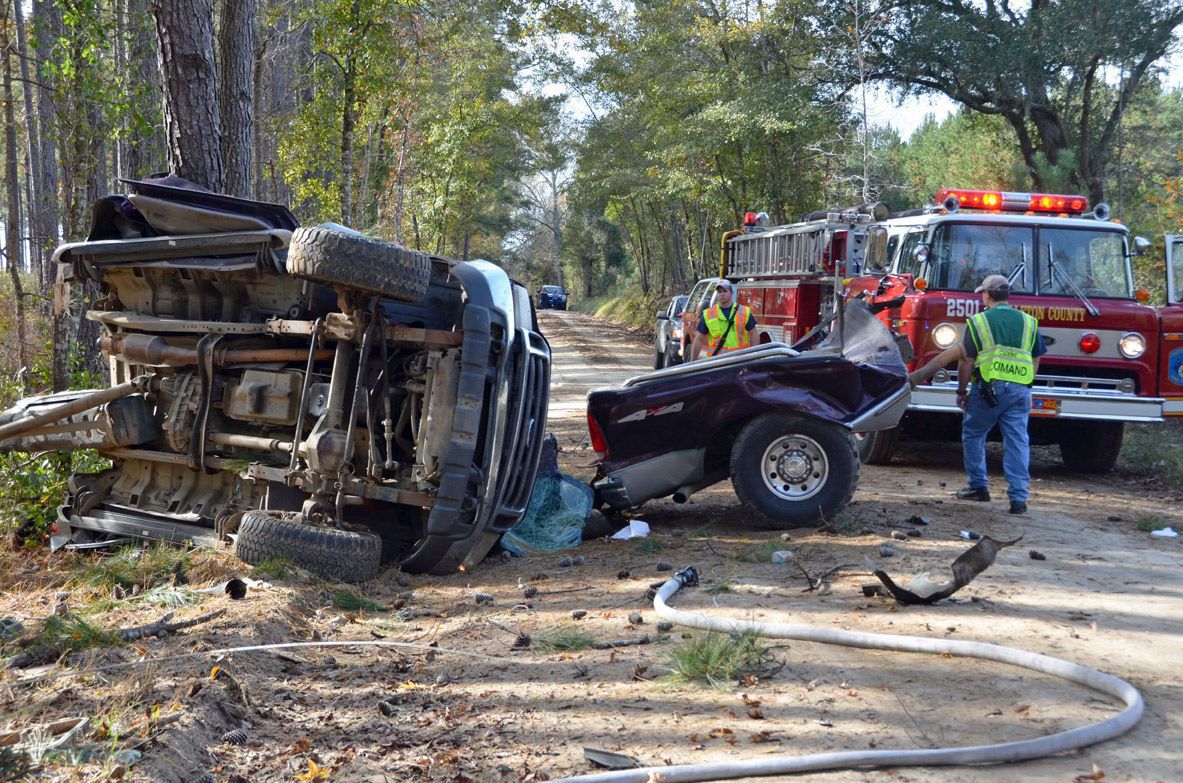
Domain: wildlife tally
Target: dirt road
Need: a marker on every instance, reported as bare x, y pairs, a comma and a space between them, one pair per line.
488, 677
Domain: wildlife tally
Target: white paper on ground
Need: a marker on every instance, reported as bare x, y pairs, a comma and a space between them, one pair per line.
1166, 532
634, 529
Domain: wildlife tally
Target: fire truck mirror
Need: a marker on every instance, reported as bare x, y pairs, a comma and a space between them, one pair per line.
1141, 246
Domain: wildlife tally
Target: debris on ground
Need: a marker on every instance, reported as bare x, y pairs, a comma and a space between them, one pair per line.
928, 588
636, 528
558, 510
1165, 532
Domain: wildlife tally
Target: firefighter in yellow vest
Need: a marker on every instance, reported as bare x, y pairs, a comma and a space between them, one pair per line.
726, 326
1000, 354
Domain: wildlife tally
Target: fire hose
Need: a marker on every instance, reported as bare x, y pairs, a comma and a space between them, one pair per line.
998, 753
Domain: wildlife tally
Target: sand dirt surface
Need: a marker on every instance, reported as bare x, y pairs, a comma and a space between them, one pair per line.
451, 679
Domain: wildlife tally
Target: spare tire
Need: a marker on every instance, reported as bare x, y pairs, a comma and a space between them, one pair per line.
325, 551
341, 259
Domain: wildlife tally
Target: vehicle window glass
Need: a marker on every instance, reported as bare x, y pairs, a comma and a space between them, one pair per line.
879, 248
965, 254
905, 264
679, 305
1176, 271
1094, 260
696, 292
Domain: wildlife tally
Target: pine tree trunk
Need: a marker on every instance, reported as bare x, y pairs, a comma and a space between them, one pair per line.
12, 238
236, 59
40, 259
192, 122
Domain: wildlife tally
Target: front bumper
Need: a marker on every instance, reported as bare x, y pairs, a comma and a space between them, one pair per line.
1053, 403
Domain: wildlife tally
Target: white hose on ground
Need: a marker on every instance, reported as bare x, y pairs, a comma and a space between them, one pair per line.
977, 754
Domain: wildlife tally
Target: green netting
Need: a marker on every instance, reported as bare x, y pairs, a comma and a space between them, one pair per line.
554, 519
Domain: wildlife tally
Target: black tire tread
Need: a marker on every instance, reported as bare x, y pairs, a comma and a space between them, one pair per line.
328, 552
879, 447
1092, 447
749, 487
337, 259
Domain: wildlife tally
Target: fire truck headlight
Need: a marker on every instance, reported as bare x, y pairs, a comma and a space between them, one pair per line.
944, 335
1132, 345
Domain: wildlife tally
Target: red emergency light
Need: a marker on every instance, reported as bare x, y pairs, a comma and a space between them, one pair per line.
1000, 201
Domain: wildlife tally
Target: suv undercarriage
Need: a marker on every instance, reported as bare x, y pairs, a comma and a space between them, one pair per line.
317, 394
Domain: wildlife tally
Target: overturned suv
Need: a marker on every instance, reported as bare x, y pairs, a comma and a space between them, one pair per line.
312, 393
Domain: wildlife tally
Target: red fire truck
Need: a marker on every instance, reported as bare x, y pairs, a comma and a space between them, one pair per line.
1110, 355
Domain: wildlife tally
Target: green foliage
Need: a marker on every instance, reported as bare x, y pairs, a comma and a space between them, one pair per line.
649, 546
1154, 451
71, 633
134, 566
561, 638
277, 567
352, 602
720, 660
1045, 71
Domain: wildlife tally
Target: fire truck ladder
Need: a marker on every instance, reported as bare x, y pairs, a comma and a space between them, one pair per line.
797, 249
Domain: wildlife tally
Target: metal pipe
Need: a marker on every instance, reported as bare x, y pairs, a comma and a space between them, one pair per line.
683, 493
158, 352
138, 385
249, 442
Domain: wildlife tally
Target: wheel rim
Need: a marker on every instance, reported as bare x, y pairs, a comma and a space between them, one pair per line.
794, 467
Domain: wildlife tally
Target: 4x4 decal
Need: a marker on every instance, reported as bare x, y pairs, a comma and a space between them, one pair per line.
645, 413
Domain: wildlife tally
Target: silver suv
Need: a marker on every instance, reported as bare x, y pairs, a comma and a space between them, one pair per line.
310, 393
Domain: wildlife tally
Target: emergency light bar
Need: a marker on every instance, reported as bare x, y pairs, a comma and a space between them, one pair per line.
1001, 201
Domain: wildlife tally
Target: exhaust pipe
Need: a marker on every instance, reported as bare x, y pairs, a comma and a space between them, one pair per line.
683, 493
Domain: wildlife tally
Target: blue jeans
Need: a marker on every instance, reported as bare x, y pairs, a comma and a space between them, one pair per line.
1014, 403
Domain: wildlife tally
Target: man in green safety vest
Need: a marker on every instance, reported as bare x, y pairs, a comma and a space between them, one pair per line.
1000, 353
724, 327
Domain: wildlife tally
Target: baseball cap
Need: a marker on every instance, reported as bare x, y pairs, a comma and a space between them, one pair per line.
726, 284
994, 283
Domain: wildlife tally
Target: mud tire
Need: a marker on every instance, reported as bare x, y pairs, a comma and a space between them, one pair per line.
343, 260
877, 448
327, 552
1092, 446
833, 484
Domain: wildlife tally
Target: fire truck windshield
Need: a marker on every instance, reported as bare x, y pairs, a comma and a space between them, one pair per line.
963, 254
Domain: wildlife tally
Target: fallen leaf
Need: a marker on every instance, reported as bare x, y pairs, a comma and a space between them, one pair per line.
1097, 774
214, 672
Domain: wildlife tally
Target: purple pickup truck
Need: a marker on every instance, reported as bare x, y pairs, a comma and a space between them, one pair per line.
779, 422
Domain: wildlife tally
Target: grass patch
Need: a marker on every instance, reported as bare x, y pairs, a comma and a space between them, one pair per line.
1154, 451
724, 585
649, 546
761, 553
277, 567
1152, 522
721, 660
561, 638
132, 566
352, 602
70, 634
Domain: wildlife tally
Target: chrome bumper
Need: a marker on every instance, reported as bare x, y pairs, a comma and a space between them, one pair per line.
1053, 403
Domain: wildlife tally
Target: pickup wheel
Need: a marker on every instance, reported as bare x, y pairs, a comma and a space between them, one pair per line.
328, 552
1091, 446
346, 260
876, 448
793, 470
658, 360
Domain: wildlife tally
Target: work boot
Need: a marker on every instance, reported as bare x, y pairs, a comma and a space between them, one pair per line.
1018, 507
980, 494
